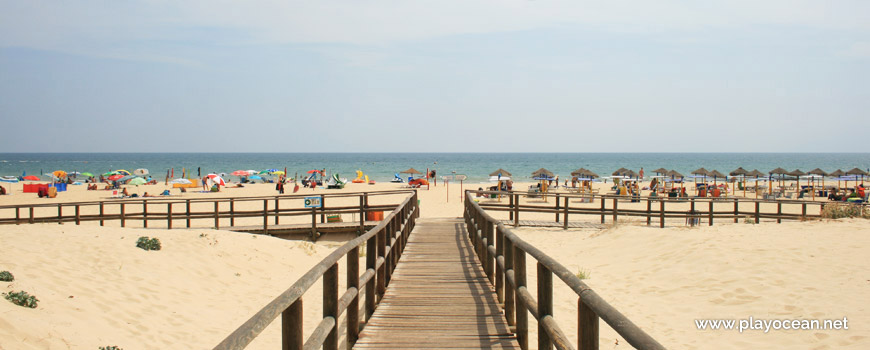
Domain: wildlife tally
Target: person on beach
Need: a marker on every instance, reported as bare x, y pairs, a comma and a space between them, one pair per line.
641, 173
861, 192
280, 187
2, 190
125, 193
204, 184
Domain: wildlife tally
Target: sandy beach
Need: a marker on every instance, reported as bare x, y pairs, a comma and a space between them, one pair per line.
95, 288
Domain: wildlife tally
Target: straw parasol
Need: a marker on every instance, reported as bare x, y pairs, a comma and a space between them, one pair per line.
757, 174
584, 172
742, 173
542, 173
819, 172
500, 172
701, 171
778, 171
716, 174
411, 171
660, 171
619, 172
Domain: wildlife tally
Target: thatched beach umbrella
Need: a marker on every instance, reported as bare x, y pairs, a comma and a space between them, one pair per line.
699, 172
716, 174
778, 171
411, 171
819, 172
673, 174
757, 174
838, 173
500, 172
857, 172
620, 172
660, 171
542, 173
742, 173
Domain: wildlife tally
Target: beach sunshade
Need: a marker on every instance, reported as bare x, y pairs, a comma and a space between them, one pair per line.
59, 173
755, 173
620, 171
255, 177
31, 178
502, 172
857, 171
115, 177
779, 171
497, 179
817, 171
124, 179
739, 171
251, 172
542, 173
87, 174
837, 173
278, 173
123, 172
136, 181
312, 171
797, 172
240, 173
660, 171
141, 172
674, 173
716, 174
110, 173
411, 171
701, 171
216, 179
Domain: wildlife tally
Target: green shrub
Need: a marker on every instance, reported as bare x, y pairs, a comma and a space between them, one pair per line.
583, 274
845, 210
148, 243
6, 276
110, 348
22, 299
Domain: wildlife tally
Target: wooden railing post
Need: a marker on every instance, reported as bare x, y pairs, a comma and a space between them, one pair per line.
17, 215
353, 308
169, 215
59, 213
291, 326
602, 209
144, 213
232, 212
102, 221
322, 209
490, 259
662, 213
778, 212
565, 213
545, 305
313, 224
371, 261
710, 213
382, 277
217, 221
187, 212
78, 215
522, 313
330, 305
499, 273
587, 327
31, 215
648, 211
557, 207
265, 217
615, 208
803, 211
362, 215
516, 210
510, 289
757, 212
277, 222
511, 207
123, 217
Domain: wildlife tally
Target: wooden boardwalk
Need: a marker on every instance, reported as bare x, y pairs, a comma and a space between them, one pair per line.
439, 297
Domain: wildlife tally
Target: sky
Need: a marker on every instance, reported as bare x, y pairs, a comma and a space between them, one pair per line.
434, 76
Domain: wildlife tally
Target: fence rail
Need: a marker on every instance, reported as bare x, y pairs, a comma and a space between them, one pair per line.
171, 211
503, 255
384, 245
656, 208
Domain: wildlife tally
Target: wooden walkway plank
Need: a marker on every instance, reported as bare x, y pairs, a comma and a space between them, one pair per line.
438, 297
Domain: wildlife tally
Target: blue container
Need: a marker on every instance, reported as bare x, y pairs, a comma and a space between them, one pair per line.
61, 187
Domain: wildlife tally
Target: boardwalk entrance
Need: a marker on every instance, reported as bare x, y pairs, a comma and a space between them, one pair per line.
439, 297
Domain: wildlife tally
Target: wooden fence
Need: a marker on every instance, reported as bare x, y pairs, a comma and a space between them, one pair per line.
170, 211
384, 245
692, 209
503, 255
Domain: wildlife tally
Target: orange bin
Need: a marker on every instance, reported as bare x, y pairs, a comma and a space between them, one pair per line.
375, 216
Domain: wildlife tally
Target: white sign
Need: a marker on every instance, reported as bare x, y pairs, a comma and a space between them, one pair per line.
461, 177
312, 202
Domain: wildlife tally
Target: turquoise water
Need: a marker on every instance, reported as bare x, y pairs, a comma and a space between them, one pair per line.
382, 166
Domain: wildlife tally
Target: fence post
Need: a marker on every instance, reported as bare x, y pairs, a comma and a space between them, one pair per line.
265, 216
587, 327
557, 207
509, 289
648, 211
59, 213
330, 305
757, 212
545, 305
291, 326
371, 260
102, 221
123, 217
778, 212
232, 212
353, 308
322, 209
615, 208
516, 210
188, 213
522, 312
78, 216
490, 259
217, 221
499, 273
511, 207
362, 216
31, 215
736, 212
277, 222
144, 213
313, 224
169, 215
803, 211
382, 277
662, 213
565, 219
603, 200
710, 213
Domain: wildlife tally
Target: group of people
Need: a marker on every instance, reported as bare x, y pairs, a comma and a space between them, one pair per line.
855, 194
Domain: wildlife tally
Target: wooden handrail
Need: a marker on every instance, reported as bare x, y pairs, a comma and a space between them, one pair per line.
510, 258
394, 229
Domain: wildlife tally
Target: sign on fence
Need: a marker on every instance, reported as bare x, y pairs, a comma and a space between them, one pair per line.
312, 202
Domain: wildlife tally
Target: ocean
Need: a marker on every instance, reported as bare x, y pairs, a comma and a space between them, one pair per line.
383, 166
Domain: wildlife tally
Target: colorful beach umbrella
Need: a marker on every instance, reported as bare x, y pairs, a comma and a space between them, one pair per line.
140, 172
31, 178
87, 174
115, 177
59, 173
136, 181
123, 172
240, 173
